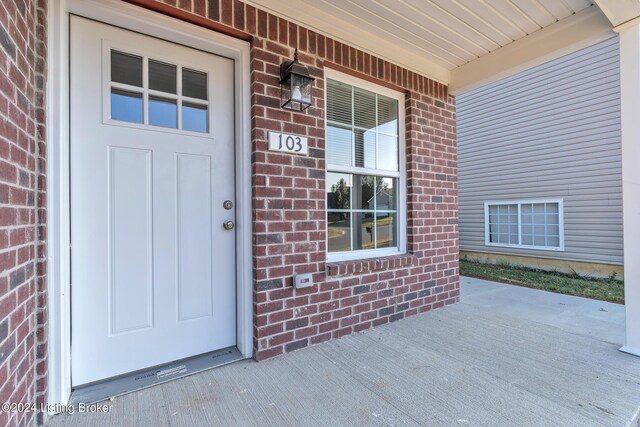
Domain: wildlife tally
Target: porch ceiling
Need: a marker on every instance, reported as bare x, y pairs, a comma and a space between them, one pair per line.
445, 39
450, 33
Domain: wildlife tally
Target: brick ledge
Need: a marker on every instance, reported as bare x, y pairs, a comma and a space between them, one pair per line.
364, 266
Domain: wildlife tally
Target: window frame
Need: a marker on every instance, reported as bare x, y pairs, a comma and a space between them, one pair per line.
519, 203
400, 175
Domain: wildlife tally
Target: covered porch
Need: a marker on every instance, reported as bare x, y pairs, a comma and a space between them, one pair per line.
504, 356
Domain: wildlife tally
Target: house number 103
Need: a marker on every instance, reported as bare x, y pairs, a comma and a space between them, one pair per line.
288, 143
292, 143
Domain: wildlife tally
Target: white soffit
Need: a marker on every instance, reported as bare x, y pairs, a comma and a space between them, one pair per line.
431, 37
578, 31
619, 11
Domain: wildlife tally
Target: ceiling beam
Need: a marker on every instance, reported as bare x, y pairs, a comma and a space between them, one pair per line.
587, 27
619, 11
311, 17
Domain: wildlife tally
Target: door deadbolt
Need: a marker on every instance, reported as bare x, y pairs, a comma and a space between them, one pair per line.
228, 225
228, 204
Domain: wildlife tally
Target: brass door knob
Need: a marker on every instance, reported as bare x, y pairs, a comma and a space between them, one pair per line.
228, 225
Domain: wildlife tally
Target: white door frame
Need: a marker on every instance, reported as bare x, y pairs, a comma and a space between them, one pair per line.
134, 18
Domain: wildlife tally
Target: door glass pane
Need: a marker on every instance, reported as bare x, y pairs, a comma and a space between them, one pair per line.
126, 68
194, 84
195, 118
126, 106
385, 230
338, 231
338, 190
163, 112
162, 76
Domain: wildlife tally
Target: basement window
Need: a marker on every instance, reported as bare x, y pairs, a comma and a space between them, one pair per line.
532, 224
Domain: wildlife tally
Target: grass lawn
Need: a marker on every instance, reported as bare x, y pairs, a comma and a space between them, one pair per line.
572, 284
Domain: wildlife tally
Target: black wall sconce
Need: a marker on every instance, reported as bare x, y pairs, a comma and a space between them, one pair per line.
295, 85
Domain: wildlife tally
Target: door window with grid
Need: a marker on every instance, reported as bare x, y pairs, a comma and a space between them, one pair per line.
149, 92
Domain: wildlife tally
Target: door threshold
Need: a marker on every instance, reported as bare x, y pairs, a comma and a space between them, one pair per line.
134, 381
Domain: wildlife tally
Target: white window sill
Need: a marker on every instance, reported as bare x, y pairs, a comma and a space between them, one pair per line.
363, 254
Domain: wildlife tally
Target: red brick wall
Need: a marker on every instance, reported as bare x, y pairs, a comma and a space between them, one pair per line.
22, 199
289, 226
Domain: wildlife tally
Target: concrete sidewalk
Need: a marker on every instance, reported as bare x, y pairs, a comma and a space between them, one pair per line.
597, 319
504, 356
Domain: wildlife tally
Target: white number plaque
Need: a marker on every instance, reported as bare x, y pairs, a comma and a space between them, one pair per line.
288, 143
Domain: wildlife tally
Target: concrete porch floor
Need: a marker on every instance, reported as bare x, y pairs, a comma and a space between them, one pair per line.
504, 356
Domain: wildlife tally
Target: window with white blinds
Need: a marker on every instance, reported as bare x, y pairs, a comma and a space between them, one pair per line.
535, 224
363, 170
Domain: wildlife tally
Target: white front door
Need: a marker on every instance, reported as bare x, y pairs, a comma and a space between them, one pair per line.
152, 165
